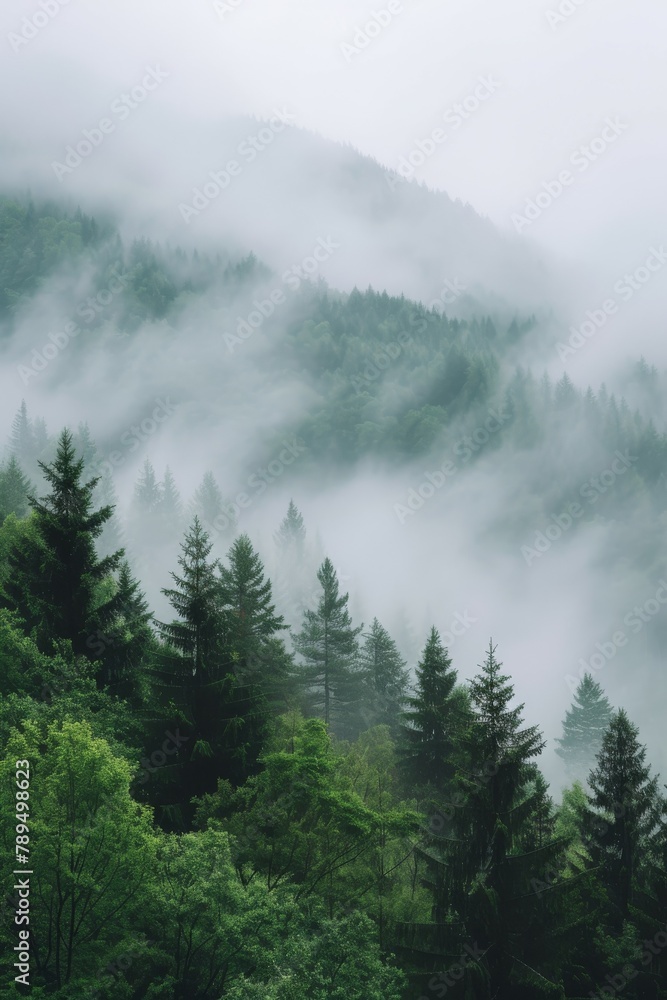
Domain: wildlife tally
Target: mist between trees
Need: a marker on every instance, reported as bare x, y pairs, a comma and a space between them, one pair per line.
297, 805
248, 782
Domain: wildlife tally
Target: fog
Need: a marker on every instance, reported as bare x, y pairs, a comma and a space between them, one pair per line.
331, 130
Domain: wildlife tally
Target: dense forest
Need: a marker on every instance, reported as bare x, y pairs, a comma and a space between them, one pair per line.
258, 795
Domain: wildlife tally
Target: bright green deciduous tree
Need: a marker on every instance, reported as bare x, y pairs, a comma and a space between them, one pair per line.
92, 849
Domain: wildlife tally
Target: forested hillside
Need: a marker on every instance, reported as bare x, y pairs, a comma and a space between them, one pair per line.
255, 793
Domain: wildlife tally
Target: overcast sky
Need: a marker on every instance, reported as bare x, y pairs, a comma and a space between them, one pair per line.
555, 77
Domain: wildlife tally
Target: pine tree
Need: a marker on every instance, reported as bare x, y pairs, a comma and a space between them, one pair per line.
197, 632
650, 897
85, 447
622, 821
246, 597
583, 728
565, 394
209, 505
128, 641
225, 719
111, 538
22, 439
433, 720
55, 575
386, 678
147, 493
41, 437
292, 572
485, 883
207, 500
290, 537
540, 825
328, 646
499, 747
14, 490
170, 506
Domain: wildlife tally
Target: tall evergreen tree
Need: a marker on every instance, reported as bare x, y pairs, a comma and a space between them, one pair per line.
583, 728
129, 641
147, 493
22, 438
481, 875
170, 507
41, 437
386, 678
502, 800
55, 577
623, 819
111, 538
207, 499
196, 634
208, 503
432, 721
293, 566
85, 447
291, 535
225, 718
14, 490
328, 646
246, 596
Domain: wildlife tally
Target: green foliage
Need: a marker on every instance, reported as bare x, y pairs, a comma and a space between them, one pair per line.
14, 490
301, 869
386, 678
54, 573
338, 960
433, 721
327, 644
92, 847
246, 597
583, 728
624, 818
196, 633
34, 241
209, 505
291, 535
